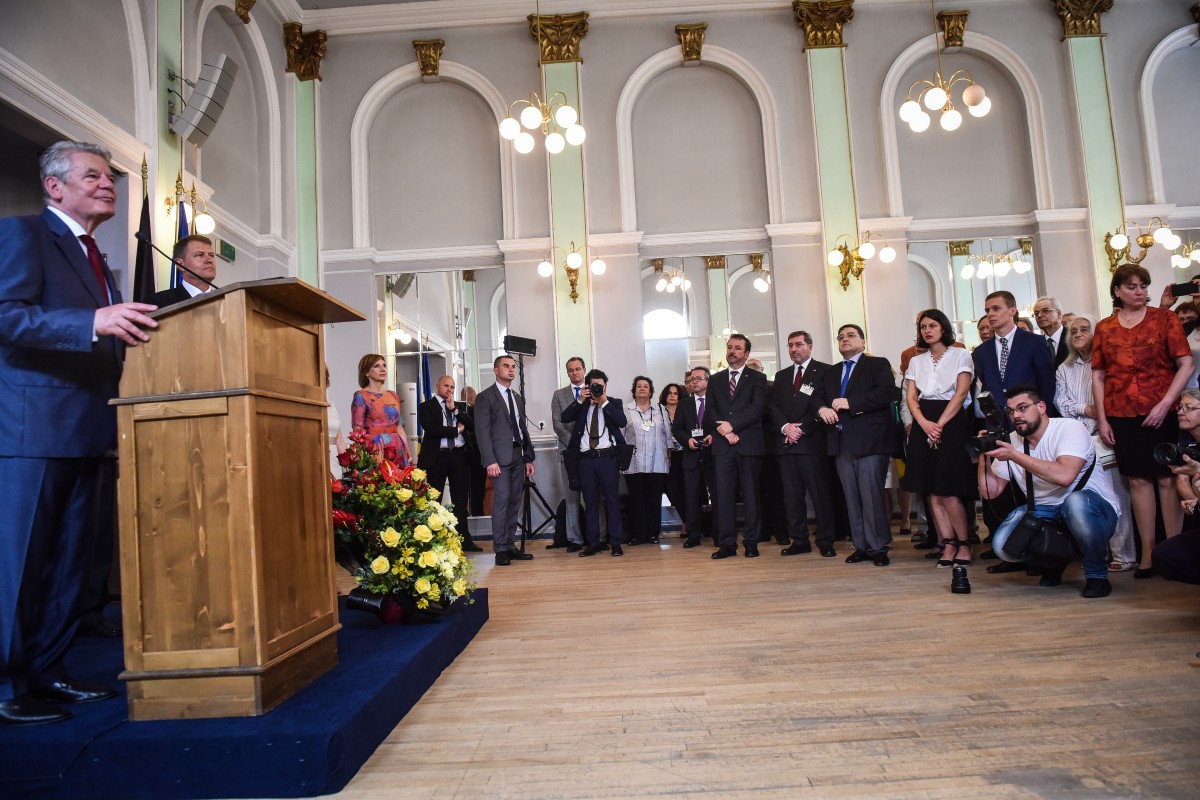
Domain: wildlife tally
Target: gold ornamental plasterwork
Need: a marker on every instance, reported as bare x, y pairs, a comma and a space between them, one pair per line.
242, 9
1026, 245
1081, 17
756, 260
657, 264
822, 20
961, 247
714, 262
691, 39
305, 51
954, 27
558, 35
468, 276
429, 55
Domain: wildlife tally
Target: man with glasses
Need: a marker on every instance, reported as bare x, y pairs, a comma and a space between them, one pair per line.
1068, 486
1048, 314
694, 427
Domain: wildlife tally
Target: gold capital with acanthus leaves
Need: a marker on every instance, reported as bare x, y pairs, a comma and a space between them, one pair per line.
714, 262
429, 55
242, 9
954, 27
961, 247
558, 35
691, 39
1081, 17
305, 51
822, 21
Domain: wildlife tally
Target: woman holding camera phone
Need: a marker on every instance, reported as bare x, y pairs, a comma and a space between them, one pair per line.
1141, 361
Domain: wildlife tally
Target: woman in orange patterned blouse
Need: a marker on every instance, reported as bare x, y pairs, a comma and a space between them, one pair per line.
376, 410
1141, 361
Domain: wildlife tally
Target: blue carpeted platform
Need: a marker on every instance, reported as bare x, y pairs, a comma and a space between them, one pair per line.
312, 744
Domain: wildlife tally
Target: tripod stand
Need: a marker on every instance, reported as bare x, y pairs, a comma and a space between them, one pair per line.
530, 490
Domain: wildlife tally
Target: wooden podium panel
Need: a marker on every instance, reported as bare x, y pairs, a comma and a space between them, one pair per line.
226, 543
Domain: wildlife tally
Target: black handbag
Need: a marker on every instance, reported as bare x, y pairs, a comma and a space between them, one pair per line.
1042, 542
899, 434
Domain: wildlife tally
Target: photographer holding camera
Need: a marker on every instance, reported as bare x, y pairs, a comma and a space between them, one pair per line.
596, 441
1068, 489
1177, 558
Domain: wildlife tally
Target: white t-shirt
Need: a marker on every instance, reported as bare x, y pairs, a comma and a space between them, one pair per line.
1063, 437
939, 381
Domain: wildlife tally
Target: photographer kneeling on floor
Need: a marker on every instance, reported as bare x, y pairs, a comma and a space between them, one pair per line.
1069, 491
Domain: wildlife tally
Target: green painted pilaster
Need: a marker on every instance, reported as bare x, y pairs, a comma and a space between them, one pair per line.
718, 304
470, 339
307, 262
168, 158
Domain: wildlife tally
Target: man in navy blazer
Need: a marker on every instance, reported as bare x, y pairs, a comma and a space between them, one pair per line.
60, 361
1026, 358
597, 429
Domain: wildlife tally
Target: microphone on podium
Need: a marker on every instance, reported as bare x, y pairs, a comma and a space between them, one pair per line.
141, 237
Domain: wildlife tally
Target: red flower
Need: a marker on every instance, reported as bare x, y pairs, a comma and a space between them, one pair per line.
346, 458
337, 487
344, 519
389, 473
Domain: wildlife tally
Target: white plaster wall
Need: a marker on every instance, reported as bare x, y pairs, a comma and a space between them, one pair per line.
1178, 125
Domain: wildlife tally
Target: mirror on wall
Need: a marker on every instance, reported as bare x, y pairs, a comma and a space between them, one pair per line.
1185, 259
956, 275
690, 304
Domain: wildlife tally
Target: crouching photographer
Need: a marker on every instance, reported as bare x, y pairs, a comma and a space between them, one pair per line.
1177, 558
1070, 502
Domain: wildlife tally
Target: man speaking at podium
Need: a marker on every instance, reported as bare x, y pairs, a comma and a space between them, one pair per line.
61, 317
196, 253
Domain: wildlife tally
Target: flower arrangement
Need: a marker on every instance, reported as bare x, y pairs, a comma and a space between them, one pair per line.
393, 534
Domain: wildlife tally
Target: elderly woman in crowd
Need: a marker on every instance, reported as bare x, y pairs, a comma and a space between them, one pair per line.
1073, 396
1178, 557
376, 410
1141, 361
649, 430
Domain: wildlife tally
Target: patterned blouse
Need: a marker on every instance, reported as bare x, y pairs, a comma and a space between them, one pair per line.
1073, 391
1138, 362
650, 432
379, 415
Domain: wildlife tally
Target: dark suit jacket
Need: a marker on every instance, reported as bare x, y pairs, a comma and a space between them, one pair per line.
494, 430
55, 382
784, 406
614, 418
867, 424
1028, 363
434, 429
744, 411
169, 297
685, 423
1060, 355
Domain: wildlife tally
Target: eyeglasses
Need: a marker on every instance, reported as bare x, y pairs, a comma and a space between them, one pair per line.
1021, 409
1189, 409
1043, 312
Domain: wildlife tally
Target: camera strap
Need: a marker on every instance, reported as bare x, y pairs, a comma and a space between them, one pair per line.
1029, 479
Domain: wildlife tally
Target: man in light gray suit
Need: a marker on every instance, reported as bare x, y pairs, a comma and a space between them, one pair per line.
562, 399
507, 454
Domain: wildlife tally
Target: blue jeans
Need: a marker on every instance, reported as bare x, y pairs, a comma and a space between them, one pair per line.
1088, 517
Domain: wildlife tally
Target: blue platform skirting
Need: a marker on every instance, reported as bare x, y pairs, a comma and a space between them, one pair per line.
312, 744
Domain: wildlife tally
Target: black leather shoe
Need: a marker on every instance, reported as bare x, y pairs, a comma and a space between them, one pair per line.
617, 551
28, 710
1142, 574
690, 544
503, 559
1006, 566
857, 556
1097, 587
469, 545
69, 691
634, 542
881, 559
101, 628
782, 540
751, 550
724, 552
574, 548
588, 551
796, 549
989, 555
1052, 577
828, 552
652, 540
517, 555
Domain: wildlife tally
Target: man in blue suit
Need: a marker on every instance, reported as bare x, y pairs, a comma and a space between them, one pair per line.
60, 318
597, 430
1012, 357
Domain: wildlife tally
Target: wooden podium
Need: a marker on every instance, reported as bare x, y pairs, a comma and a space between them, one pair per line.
227, 576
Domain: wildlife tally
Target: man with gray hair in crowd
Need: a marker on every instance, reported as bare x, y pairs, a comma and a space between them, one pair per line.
1048, 314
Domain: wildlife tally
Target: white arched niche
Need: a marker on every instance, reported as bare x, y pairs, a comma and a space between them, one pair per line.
1170, 106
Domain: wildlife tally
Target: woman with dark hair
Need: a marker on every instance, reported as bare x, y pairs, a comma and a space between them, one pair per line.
670, 398
938, 389
649, 431
376, 410
1141, 361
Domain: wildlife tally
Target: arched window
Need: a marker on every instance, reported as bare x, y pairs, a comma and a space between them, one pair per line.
663, 323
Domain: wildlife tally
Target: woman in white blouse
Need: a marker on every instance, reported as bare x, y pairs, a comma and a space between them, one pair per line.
649, 430
938, 388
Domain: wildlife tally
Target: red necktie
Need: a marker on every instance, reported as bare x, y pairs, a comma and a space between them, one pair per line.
799, 378
97, 262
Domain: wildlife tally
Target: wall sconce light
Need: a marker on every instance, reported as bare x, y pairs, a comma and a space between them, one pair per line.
851, 259
669, 279
1190, 252
399, 333
1119, 248
762, 276
187, 203
572, 263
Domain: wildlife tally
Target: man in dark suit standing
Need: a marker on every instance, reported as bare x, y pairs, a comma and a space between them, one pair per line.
1012, 357
1048, 313
597, 429
560, 402
859, 393
443, 455
60, 318
196, 253
739, 397
795, 399
507, 453
694, 427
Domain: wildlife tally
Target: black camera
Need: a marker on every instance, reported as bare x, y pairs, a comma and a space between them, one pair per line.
993, 419
1184, 289
1171, 455
596, 388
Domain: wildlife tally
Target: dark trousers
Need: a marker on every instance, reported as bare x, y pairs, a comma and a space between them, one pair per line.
805, 472
696, 482
506, 501
862, 480
645, 504
774, 510
45, 546
454, 465
600, 478
676, 495
732, 471
478, 475
1178, 558
102, 563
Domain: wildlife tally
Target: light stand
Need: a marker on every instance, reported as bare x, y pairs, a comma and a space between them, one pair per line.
529, 490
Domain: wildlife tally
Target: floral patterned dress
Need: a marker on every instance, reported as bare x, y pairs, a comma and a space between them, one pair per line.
379, 415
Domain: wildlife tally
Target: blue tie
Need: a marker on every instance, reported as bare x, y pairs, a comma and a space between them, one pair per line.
846, 367
576, 394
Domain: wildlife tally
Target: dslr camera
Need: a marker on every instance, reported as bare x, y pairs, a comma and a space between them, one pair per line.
596, 389
993, 419
1171, 455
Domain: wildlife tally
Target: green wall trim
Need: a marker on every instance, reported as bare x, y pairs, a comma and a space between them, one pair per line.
307, 262
169, 150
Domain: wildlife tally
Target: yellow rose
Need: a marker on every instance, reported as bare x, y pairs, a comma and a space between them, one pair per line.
459, 587
434, 494
422, 503
404, 494
422, 603
422, 585
390, 537
435, 522
380, 565
422, 534
427, 559
418, 475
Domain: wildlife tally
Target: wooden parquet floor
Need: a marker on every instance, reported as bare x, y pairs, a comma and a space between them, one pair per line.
664, 674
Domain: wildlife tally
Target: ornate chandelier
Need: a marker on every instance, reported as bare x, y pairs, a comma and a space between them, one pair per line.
935, 95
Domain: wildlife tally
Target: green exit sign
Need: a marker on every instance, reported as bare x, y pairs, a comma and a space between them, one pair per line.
225, 250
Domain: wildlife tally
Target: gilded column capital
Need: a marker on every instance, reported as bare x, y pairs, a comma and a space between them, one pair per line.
558, 35
756, 261
954, 27
305, 51
822, 21
691, 39
242, 9
429, 55
714, 262
1081, 17
961, 247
